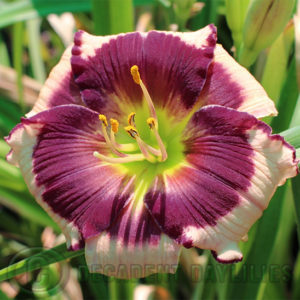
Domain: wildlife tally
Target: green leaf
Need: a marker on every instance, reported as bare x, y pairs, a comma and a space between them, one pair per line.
11, 111
296, 116
278, 57
207, 15
38, 68
37, 261
25, 208
18, 35
101, 17
199, 289
165, 3
112, 17
261, 250
292, 136
182, 12
287, 101
9, 171
296, 279
28, 9
48, 284
296, 192
121, 16
4, 148
3, 296
143, 2
4, 57
281, 256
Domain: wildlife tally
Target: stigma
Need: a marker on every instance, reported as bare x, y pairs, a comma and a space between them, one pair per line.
146, 151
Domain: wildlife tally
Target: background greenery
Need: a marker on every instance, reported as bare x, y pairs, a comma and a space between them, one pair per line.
32, 40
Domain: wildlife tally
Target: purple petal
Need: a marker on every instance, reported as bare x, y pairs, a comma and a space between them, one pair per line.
172, 67
54, 150
232, 168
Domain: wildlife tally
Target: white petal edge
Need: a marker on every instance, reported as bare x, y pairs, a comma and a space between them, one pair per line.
107, 255
90, 43
274, 163
256, 101
22, 141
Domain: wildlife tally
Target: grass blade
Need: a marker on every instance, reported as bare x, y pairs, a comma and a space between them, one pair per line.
292, 136
38, 68
4, 57
278, 58
287, 101
261, 250
18, 34
37, 261
29, 9
25, 208
296, 192
121, 16
101, 17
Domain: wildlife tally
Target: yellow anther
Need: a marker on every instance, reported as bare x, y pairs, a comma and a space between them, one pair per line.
131, 119
131, 131
103, 119
152, 123
114, 125
135, 74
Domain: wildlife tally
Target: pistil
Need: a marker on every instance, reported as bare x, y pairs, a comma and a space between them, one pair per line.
153, 126
131, 122
132, 131
120, 160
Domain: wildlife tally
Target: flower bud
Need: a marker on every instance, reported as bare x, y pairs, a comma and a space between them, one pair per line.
264, 22
297, 43
182, 10
235, 15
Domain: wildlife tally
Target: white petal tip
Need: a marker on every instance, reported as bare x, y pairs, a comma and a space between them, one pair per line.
110, 256
229, 254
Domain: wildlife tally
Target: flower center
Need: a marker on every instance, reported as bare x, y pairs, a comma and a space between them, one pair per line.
146, 152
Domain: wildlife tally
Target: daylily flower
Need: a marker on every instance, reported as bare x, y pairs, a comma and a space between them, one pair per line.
143, 143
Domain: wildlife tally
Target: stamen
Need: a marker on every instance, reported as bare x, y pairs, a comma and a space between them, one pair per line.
132, 131
122, 147
137, 79
135, 74
107, 139
120, 160
103, 119
152, 123
113, 130
153, 126
114, 125
131, 121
